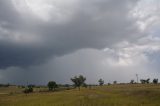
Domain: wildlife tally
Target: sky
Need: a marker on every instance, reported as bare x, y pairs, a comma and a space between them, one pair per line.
44, 40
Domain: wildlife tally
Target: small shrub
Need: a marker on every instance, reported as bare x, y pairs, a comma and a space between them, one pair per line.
84, 85
109, 83
28, 89
52, 85
155, 81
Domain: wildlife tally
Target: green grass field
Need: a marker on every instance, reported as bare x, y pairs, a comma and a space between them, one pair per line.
113, 95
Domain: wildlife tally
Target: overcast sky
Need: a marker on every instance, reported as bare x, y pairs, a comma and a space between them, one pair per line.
43, 40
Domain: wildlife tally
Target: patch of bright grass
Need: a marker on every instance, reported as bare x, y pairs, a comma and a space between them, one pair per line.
113, 95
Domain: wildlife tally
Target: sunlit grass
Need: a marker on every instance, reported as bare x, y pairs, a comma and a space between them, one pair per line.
113, 95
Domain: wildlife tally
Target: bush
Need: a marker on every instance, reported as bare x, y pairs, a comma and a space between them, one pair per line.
52, 85
84, 85
28, 89
109, 83
155, 81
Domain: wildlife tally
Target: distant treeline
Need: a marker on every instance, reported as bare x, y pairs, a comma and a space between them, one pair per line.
77, 82
4, 85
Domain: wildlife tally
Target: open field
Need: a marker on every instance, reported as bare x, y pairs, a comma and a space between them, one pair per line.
113, 95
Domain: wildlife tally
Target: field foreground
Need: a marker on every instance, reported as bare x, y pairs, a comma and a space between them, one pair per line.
113, 95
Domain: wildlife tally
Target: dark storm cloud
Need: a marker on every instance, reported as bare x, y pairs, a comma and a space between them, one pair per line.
42, 40
26, 40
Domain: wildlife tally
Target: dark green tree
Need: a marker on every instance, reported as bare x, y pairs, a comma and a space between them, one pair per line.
155, 81
143, 81
52, 85
114, 82
28, 89
132, 82
101, 82
78, 81
147, 81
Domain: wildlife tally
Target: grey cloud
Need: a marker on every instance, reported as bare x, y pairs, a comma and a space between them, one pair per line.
91, 63
106, 39
92, 24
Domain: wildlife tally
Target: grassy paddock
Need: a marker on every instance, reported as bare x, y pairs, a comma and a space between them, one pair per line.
113, 95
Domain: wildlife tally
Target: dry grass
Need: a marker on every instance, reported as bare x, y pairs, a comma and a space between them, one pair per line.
113, 95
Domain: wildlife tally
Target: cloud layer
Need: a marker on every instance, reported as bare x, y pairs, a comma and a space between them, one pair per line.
112, 35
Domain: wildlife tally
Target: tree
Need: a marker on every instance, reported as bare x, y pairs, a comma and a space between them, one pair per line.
155, 81
132, 81
114, 82
28, 89
78, 81
147, 81
52, 85
143, 81
101, 82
